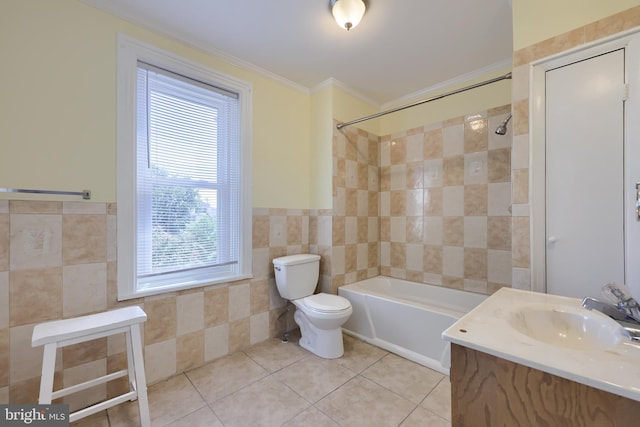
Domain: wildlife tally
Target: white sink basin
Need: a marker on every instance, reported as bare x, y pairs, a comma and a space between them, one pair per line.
567, 327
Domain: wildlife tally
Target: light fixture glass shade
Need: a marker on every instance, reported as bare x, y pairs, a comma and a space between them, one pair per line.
347, 13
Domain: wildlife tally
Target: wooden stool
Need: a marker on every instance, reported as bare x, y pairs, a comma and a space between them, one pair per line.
61, 333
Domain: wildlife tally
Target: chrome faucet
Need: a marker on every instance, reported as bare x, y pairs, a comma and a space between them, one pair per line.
626, 308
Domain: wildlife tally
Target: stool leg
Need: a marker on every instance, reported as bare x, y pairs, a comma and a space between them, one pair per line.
141, 382
48, 369
130, 366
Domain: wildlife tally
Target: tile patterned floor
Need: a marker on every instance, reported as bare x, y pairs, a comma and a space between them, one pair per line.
277, 384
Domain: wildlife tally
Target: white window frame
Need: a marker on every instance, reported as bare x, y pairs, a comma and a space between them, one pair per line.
129, 52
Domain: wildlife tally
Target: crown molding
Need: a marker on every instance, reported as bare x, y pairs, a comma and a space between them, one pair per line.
333, 82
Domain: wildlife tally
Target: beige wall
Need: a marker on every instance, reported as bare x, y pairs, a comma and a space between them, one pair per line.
534, 21
58, 109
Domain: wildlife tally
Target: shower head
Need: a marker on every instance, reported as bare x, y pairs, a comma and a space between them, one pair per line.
502, 129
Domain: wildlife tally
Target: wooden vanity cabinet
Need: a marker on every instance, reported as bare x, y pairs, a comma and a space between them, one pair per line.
493, 392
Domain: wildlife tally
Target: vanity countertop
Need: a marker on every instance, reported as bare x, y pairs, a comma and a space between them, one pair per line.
489, 328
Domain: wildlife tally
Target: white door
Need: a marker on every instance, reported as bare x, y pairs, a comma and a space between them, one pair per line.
585, 175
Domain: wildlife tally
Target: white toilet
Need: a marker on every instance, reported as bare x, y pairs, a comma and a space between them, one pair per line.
319, 316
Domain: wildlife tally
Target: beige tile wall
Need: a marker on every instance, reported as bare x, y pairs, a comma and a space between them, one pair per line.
58, 260
522, 59
355, 221
445, 196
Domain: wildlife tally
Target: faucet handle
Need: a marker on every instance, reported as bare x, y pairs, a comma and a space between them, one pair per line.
615, 293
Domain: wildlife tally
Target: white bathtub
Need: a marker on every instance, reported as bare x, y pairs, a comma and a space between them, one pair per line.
407, 318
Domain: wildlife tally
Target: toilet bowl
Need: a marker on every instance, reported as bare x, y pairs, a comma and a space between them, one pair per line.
319, 316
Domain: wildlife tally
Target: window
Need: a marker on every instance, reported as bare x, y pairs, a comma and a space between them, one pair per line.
184, 214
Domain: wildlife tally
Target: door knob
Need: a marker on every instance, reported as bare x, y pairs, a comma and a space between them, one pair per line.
552, 239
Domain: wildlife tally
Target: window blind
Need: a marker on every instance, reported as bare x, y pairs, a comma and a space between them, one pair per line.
188, 165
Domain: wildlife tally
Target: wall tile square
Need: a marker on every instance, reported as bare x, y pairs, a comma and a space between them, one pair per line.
476, 135
499, 232
453, 170
433, 142
351, 173
475, 264
190, 313
453, 262
453, 140
499, 267
259, 328
25, 361
475, 168
398, 255
415, 257
259, 296
294, 230
399, 151
398, 229
453, 231
362, 261
190, 351
161, 320
499, 165
453, 201
84, 238
415, 174
415, 229
433, 259
239, 301
432, 202
35, 296
216, 342
363, 203
499, 199
475, 199
475, 232
277, 231
398, 203
415, 147
261, 231
398, 177
414, 203
36, 241
239, 334
433, 230
84, 289
351, 230
434, 171
160, 360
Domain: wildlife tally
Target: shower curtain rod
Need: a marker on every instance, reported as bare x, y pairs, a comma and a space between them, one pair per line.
424, 101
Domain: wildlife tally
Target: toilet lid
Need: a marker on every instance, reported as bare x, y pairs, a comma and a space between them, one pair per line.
327, 302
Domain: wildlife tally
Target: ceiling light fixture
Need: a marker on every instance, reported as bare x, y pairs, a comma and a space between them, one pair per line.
347, 13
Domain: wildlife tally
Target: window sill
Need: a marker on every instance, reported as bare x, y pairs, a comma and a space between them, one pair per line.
183, 286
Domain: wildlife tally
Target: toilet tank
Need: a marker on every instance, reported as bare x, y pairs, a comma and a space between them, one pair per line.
297, 275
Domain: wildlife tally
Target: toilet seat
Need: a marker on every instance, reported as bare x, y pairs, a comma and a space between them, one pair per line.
326, 303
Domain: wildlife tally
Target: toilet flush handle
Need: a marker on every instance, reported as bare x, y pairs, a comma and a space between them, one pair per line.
276, 268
